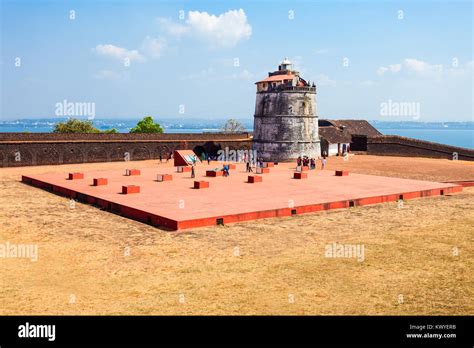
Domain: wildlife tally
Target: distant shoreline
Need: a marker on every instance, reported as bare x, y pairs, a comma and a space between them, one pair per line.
459, 134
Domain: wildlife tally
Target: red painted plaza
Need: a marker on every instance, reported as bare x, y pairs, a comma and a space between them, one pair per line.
175, 203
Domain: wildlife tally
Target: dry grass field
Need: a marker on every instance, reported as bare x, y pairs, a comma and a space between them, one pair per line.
93, 262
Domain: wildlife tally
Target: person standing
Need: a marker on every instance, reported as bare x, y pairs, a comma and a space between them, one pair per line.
323, 162
193, 173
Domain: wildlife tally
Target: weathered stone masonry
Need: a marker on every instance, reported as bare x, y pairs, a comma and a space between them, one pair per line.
285, 119
19, 149
394, 145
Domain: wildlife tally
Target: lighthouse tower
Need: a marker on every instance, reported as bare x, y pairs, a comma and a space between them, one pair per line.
285, 120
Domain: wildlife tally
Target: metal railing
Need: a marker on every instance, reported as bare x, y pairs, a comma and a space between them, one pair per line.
280, 88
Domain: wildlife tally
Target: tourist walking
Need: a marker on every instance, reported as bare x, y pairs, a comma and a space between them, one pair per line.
305, 161
323, 162
249, 168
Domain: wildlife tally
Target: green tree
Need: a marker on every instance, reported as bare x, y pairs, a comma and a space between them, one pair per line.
147, 125
233, 126
74, 125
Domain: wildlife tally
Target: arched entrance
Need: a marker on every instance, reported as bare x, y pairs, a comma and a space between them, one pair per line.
199, 150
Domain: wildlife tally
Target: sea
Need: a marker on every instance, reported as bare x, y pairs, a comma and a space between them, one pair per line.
459, 134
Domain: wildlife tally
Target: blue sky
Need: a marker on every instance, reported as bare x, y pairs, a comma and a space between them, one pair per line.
182, 56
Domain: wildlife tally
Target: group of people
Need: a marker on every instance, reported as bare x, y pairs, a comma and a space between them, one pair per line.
301, 161
305, 161
258, 163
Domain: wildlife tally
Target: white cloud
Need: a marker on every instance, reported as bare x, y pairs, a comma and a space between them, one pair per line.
224, 30
421, 67
395, 68
382, 70
154, 47
367, 83
107, 75
425, 69
172, 28
461, 70
119, 52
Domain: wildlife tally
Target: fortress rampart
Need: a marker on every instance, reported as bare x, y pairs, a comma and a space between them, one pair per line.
30, 149
394, 145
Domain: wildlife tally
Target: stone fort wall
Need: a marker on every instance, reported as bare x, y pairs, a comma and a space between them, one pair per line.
393, 145
31, 149
286, 125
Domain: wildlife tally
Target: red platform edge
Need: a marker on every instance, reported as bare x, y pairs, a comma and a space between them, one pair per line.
99, 181
183, 169
214, 173
254, 178
201, 184
264, 170
169, 224
467, 183
130, 189
341, 173
75, 176
164, 177
300, 175
132, 172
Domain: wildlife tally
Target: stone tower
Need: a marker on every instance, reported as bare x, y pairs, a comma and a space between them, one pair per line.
285, 120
